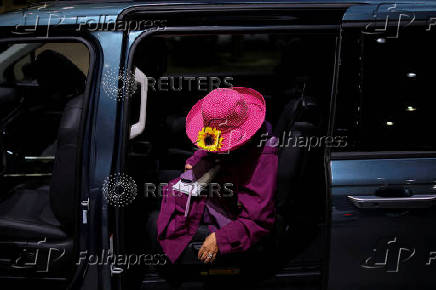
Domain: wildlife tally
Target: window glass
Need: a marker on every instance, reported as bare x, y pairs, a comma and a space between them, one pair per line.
225, 53
18, 56
18, 67
37, 82
387, 92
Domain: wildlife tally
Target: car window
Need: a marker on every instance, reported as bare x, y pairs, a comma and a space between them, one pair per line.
18, 56
39, 80
223, 53
386, 94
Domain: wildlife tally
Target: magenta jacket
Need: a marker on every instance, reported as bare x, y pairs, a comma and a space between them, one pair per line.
253, 177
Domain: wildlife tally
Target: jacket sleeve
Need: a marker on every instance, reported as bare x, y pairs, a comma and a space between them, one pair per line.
257, 199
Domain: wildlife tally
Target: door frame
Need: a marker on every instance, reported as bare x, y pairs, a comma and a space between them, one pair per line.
132, 40
82, 162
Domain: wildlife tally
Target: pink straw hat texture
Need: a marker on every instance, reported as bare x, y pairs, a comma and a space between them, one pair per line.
236, 112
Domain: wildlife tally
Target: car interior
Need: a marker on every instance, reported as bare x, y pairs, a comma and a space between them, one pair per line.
294, 73
42, 98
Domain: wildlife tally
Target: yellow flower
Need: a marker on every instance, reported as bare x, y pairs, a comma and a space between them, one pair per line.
209, 139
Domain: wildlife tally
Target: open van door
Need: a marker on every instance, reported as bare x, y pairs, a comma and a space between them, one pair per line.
383, 183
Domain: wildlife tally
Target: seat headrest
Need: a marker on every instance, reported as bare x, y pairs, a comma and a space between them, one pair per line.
56, 73
176, 124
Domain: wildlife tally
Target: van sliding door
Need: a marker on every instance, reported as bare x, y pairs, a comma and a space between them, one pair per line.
383, 183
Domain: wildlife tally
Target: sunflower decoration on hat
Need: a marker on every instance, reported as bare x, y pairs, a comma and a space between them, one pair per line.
225, 119
209, 139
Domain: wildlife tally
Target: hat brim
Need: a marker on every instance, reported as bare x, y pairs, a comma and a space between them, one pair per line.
237, 137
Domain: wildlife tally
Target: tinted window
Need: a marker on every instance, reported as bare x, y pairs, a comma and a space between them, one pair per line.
387, 92
224, 53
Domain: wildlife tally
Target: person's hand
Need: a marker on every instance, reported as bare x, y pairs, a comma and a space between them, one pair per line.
208, 250
188, 167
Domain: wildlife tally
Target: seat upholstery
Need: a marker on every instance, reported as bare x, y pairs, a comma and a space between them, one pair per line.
47, 211
173, 161
27, 215
63, 181
16, 228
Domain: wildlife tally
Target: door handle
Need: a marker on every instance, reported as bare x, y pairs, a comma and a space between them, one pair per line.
137, 128
414, 201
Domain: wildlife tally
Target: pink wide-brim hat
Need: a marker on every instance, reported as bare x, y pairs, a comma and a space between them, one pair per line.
237, 112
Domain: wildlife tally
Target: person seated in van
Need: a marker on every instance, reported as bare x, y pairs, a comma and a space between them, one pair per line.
240, 170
